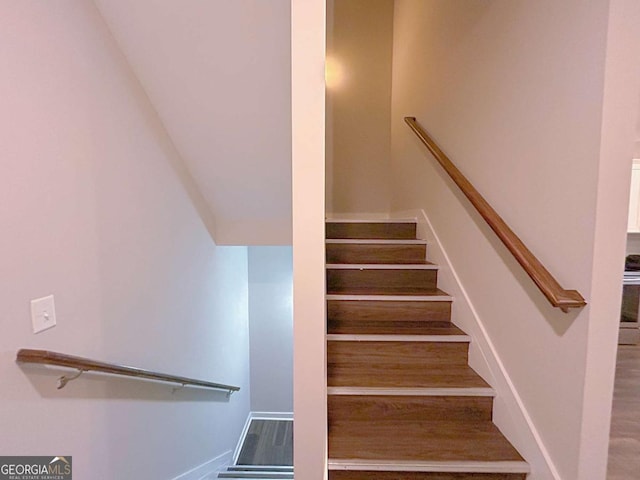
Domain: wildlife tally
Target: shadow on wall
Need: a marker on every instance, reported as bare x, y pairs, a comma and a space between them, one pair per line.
97, 386
559, 321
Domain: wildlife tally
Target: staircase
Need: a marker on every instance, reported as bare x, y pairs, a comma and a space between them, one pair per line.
403, 403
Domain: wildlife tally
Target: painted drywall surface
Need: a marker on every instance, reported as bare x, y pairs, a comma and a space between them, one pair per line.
93, 212
633, 239
636, 149
512, 91
619, 118
359, 48
271, 328
308, 170
633, 244
218, 73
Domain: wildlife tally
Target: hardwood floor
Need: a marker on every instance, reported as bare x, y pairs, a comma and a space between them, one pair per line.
343, 312
393, 409
624, 449
375, 253
268, 442
433, 440
371, 230
346, 475
371, 281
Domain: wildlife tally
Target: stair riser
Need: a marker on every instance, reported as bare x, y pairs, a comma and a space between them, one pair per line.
398, 409
343, 312
363, 475
367, 253
382, 364
383, 231
381, 282
390, 328
379, 356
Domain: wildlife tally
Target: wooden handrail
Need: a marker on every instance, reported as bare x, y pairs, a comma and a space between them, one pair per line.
549, 286
81, 364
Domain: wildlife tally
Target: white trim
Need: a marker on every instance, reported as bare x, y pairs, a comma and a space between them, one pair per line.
369, 241
243, 434
427, 466
308, 191
492, 363
408, 298
371, 220
415, 392
334, 337
209, 469
382, 266
257, 416
248, 468
258, 474
272, 415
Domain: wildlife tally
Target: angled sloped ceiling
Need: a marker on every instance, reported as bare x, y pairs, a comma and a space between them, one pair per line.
218, 74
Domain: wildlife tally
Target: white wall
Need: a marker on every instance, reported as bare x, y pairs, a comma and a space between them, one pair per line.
271, 328
513, 93
633, 239
636, 150
308, 135
218, 73
359, 47
93, 211
620, 115
633, 243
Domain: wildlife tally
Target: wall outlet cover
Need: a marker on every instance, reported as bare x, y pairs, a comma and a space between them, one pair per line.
43, 313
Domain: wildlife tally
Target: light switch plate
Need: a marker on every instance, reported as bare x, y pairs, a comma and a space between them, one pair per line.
43, 313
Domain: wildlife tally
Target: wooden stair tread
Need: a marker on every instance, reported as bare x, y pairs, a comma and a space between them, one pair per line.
419, 280
342, 312
402, 475
429, 295
382, 265
443, 376
374, 241
427, 470
432, 440
371, 230
404, 409
390, 328
372, 291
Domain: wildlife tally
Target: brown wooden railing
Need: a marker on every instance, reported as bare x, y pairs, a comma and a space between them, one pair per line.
45, 357
549, 286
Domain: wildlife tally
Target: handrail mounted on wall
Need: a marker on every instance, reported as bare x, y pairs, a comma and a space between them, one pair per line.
45, 357
548, 285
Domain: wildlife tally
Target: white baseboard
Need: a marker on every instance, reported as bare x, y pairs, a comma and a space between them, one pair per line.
509, 411
271, 415
208, 470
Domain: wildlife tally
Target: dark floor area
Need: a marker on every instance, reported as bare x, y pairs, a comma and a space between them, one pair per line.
268, 442
624, 449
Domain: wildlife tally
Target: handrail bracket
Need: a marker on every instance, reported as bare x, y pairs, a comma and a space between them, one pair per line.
64, 379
